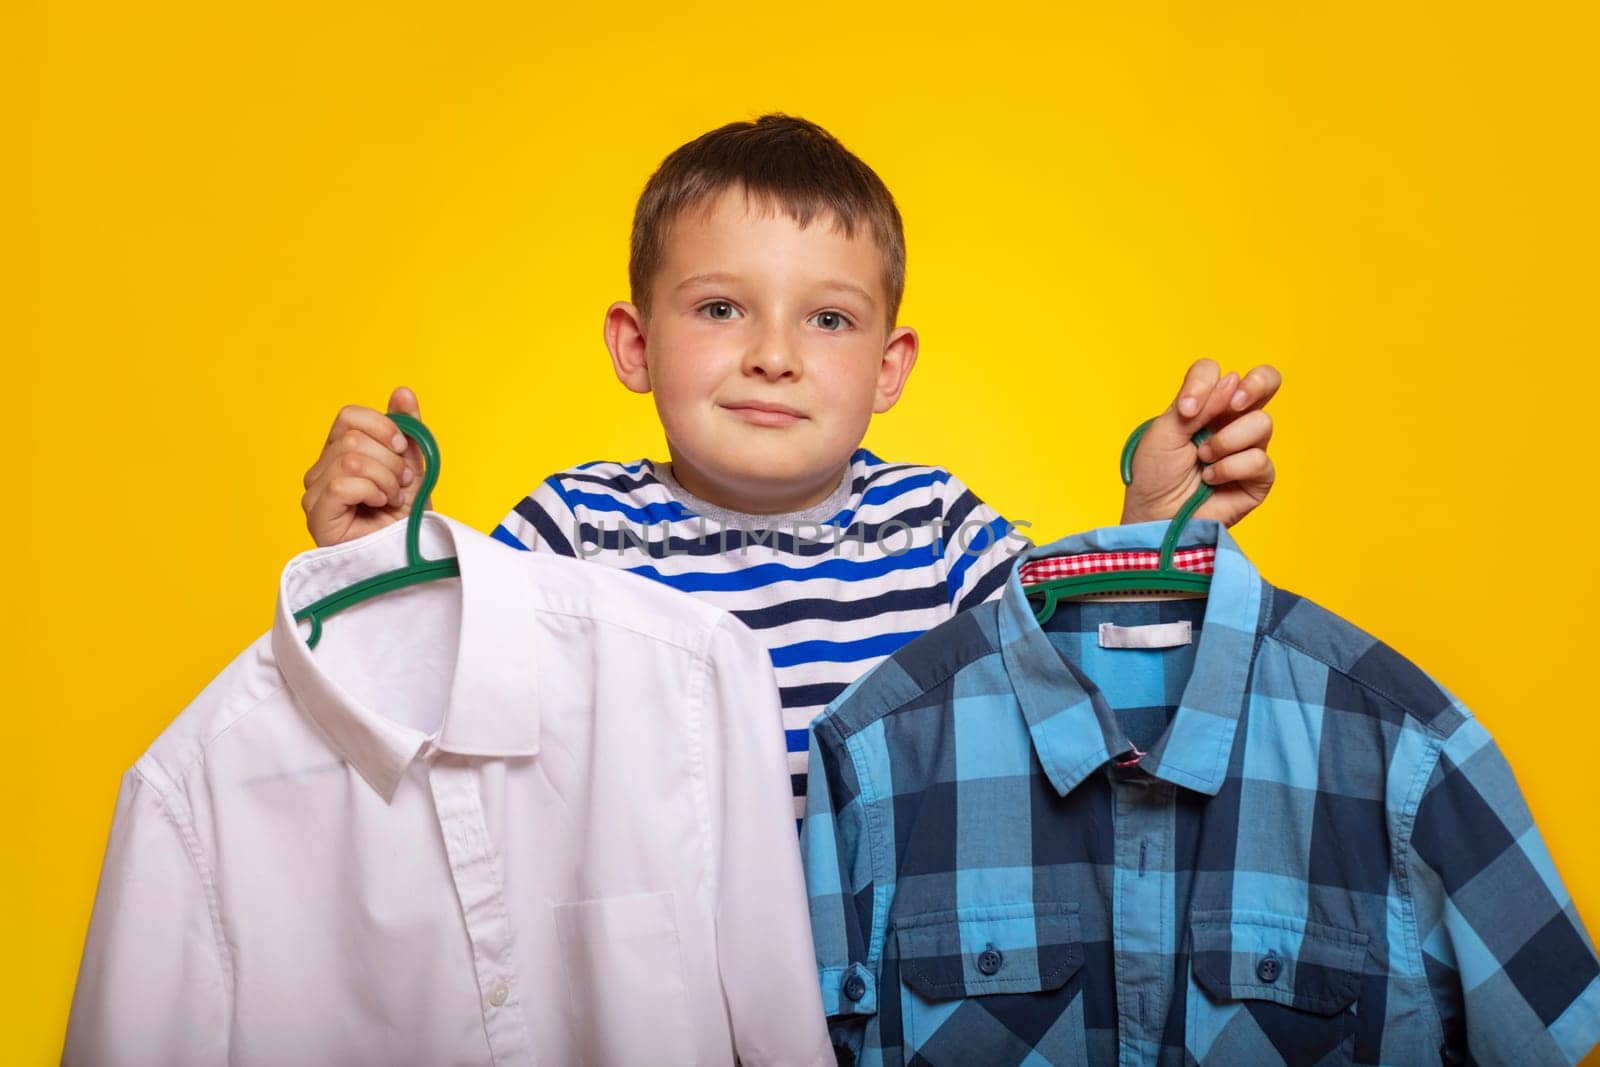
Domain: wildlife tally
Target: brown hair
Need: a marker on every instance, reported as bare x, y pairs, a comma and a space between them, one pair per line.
795, 165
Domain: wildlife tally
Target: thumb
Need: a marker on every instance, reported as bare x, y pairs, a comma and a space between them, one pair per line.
404, 401
1172, 429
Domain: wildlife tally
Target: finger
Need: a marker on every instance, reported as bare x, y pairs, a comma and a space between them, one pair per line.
346, 492
1250, 467
359, 465
372, 423
315, 519
326, 518
329, 511
404, 400
1256, 388
353, 443
1197, 386
1214, 407
1253, 429
1171, 435
356, 443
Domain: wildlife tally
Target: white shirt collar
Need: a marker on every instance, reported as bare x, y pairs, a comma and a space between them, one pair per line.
493, 708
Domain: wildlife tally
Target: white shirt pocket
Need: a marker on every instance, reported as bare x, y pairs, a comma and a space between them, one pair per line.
626, 990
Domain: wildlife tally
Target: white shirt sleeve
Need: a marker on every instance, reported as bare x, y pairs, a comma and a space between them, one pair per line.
153, 987
764, 950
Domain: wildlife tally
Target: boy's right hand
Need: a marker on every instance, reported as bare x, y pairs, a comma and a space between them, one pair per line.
367, 474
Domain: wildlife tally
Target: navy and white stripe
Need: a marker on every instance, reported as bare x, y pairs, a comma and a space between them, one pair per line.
830, 598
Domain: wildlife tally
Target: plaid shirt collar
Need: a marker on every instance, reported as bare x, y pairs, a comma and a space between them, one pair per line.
1074, 732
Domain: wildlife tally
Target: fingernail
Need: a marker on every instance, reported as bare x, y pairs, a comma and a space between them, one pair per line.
406, 476
1188, 406
1240, 399
1209, 474
1204, 451
398, 442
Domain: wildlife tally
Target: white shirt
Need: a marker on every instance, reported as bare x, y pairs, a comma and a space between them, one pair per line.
537, 815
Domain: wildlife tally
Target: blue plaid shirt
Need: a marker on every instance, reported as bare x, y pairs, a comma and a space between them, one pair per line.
1321, 857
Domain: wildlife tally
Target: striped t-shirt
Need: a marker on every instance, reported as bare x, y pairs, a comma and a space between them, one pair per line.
897, 549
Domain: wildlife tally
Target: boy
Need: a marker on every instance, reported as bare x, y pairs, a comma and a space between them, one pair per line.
766, 273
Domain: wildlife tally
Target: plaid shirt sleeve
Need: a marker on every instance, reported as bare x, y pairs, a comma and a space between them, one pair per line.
1512, 972
836, 853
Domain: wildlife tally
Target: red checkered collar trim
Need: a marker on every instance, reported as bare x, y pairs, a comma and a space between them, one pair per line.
1199, 560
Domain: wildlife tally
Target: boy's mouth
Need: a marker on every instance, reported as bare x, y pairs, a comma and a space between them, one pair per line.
765, 414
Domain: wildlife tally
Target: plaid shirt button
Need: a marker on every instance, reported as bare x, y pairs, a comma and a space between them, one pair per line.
989, 960
1269, 967
854, 987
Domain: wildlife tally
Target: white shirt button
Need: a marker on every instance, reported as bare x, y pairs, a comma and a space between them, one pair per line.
499, 994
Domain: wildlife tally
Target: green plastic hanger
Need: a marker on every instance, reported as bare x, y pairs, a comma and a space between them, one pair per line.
417, 569
1166, 578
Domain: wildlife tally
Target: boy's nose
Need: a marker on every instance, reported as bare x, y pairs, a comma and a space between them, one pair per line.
774, 357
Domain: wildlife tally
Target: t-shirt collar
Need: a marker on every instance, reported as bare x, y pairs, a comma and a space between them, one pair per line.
821, 513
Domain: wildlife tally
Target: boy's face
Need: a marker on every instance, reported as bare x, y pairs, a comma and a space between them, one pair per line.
768, 352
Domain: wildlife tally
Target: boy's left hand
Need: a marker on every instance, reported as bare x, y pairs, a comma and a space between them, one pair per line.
1166, 467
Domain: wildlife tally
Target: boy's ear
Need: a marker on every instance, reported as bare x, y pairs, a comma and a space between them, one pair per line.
625, 341
899, 356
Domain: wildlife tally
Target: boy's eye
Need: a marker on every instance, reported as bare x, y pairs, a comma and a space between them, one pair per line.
832, 321
720, 310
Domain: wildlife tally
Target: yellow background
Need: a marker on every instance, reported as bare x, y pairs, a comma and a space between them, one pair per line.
228, 221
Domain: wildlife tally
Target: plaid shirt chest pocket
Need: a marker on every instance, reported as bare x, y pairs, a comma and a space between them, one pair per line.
1266, 988
992, 984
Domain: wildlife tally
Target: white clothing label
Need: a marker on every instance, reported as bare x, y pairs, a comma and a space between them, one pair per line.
1156, 635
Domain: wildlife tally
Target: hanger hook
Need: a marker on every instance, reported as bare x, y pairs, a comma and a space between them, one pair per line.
1169, 545
419, 433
